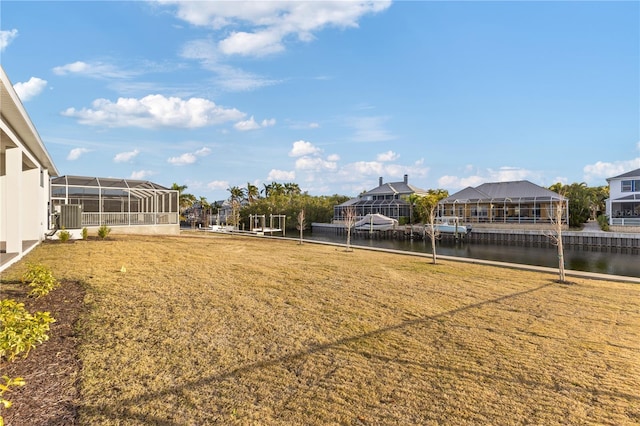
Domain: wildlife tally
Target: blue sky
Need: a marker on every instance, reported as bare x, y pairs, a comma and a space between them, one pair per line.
330, 95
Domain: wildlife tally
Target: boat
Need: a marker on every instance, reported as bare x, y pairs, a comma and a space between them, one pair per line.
451, 225
375, 222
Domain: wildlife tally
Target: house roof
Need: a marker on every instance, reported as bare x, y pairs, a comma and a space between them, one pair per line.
496, 191
632, 173
106, 182
469, 193
631, 197
395, 188
21, 124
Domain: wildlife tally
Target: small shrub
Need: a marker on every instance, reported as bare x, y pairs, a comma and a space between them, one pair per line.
20, 331
40, 279
103, 231
4, 387
64, 235
603, 221
85, 233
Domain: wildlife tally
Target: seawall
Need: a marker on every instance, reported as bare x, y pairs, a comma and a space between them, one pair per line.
531, 237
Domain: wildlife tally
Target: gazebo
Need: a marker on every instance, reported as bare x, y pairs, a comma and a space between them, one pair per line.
131, 206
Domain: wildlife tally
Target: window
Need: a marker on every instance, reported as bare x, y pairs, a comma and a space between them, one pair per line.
630, 185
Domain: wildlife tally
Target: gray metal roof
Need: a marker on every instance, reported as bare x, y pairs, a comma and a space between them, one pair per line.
106, 182
632, 197
467, 194
632, 174
498, 191
390, 188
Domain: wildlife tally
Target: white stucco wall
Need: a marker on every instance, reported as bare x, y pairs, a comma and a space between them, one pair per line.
25, 167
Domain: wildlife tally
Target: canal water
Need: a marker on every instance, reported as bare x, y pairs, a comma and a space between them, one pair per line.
624, 262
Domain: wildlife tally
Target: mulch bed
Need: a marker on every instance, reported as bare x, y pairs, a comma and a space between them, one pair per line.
52, 369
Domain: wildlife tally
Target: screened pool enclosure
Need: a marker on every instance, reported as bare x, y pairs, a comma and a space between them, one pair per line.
78, 202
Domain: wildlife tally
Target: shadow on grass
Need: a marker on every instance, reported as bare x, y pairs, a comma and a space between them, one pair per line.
122, 411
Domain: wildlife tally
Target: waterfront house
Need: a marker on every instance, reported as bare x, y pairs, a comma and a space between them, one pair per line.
390, 199
25, 168
623, 205
504, 204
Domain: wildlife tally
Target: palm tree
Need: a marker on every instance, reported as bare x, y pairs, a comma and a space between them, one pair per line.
205, 209
237, 194
276, 188
267, 190
185, 200
291, 189
252, 192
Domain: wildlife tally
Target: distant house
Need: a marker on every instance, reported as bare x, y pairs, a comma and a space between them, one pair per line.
516, 202
389, 199
623, 205
25, 168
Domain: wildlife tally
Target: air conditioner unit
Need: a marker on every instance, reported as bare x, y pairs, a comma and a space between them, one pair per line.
71, 216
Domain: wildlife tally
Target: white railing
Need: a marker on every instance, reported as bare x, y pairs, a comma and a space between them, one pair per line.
128, 219
625, 221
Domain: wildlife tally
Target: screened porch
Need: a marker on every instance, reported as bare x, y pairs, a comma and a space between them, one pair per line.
112, 202
521, 210
391, 207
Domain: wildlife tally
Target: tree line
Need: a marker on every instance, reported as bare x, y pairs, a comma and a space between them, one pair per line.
274, 198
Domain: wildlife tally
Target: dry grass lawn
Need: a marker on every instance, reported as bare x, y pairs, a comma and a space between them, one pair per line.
223, 329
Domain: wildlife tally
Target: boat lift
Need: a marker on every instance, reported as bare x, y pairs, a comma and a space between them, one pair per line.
257, 224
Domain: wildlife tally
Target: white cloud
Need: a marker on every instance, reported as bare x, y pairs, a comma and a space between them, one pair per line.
93, 70
251, 124
503, 174
387, 156
228, 77
455, 182
203, 152
602, 170
246, 125
141, 174
124, 157
218, 185
315, 163
303, 125
333, 157
262, 27
76, 153
30, 89
183, 160
281, 176
370, 129
301, 148
189, 157
260, 43
154, 111
6, 37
